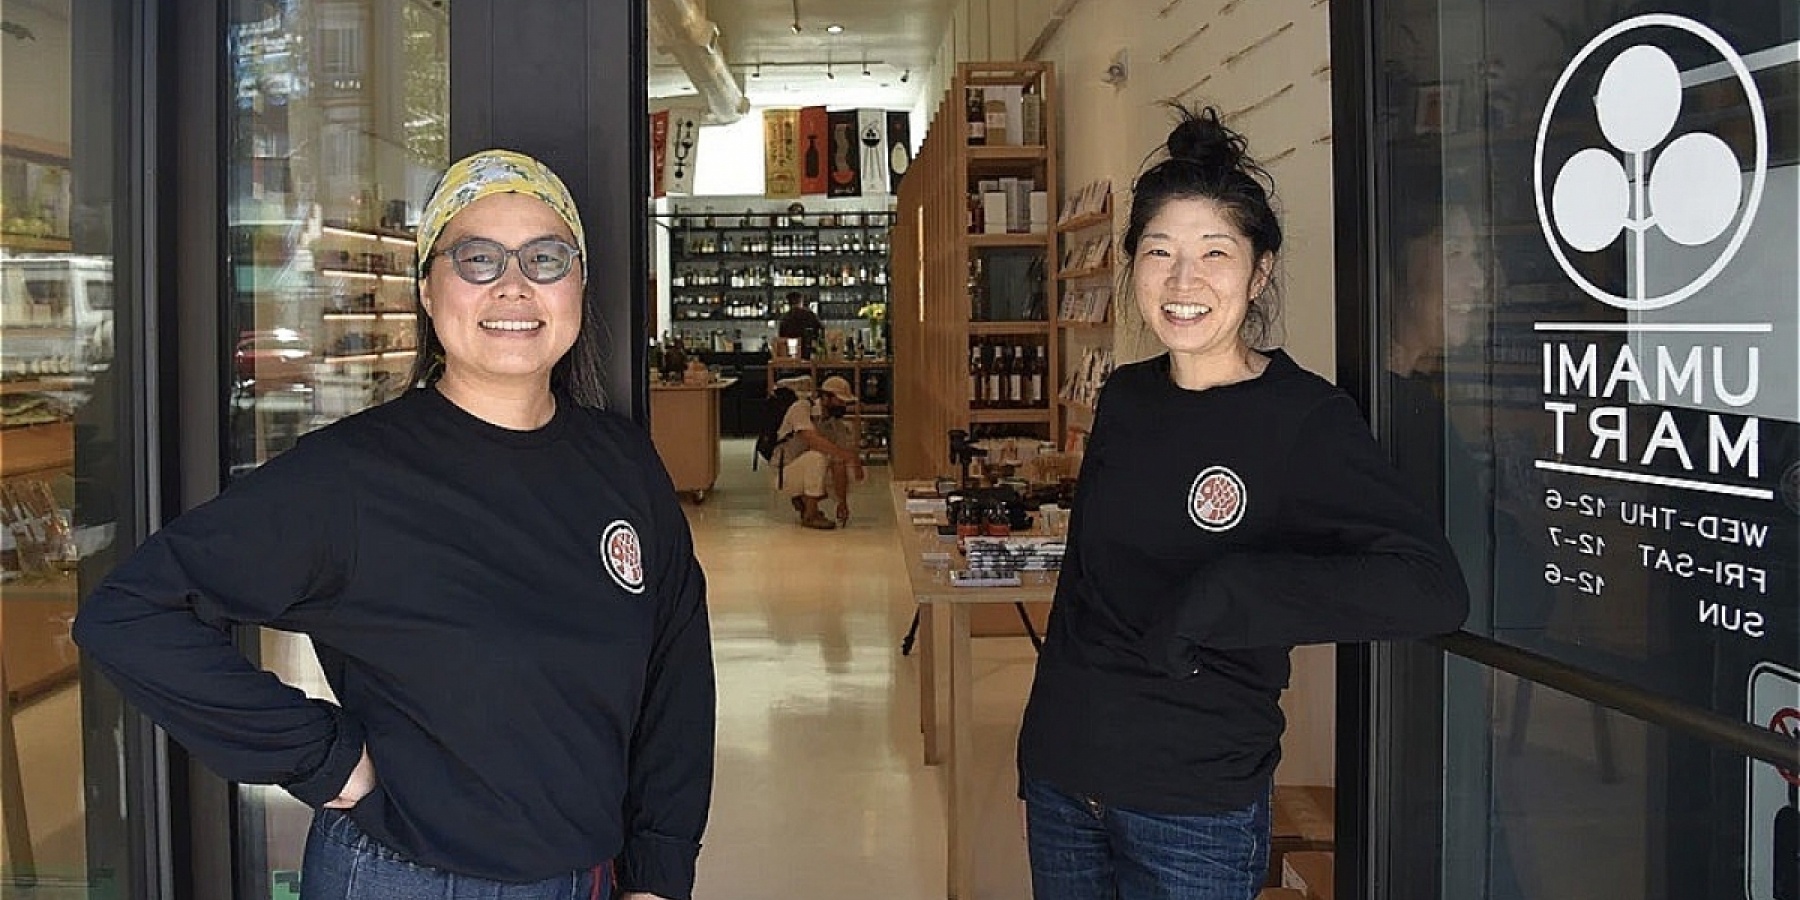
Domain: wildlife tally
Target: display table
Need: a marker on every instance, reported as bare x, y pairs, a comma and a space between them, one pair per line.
684, 424
944, 647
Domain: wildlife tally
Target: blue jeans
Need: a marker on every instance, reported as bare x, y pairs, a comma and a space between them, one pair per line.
1082, 849
343, 863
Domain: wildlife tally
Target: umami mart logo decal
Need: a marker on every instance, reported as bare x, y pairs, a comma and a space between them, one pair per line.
1646, 213
1689, 186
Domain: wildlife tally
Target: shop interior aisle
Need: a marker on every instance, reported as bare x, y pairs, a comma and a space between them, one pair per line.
822, 789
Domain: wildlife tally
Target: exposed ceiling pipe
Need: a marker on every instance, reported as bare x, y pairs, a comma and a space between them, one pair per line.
683, 31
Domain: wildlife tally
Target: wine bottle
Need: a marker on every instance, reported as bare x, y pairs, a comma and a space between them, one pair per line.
996, 386
976, 112
977, 376
1015, 377
1040, 366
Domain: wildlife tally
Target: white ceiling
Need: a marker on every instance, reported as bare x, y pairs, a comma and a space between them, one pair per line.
894, 37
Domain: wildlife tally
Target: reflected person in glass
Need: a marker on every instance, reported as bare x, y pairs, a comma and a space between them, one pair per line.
498, 581
1230, 506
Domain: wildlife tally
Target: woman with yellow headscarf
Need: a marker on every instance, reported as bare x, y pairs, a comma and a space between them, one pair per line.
497, 579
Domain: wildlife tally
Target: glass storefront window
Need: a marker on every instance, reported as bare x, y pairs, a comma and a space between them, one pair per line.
1591, 334
339, 114
63, 500
339, 129
1550, 797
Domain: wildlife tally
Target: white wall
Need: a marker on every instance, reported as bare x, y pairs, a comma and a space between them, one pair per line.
1107, 133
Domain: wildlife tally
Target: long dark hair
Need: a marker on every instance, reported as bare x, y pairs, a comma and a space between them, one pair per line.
1204, 158
576, 376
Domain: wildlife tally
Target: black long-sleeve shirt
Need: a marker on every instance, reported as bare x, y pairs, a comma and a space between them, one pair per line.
1212, 531
513, 622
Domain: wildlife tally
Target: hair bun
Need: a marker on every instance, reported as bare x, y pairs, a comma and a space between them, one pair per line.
1202, 139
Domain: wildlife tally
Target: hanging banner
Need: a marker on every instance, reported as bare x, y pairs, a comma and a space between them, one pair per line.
815, 150
846, 155
659, 150
871, 141
899, 148
682, 148
781, 153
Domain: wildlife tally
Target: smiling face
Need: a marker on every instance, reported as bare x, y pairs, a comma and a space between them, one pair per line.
1194, 276
510, 331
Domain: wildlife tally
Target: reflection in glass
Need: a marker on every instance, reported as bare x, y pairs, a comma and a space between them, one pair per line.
339, 130
1606, 453
1550, 797
61, 494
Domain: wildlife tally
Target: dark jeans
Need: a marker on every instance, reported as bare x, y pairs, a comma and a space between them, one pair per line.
1082, 849
343, 863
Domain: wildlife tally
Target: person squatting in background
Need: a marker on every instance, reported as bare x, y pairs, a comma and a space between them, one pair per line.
816, 459
498, 582
1230, 506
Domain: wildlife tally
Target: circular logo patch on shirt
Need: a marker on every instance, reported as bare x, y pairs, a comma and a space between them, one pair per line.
623, 555
1217, 500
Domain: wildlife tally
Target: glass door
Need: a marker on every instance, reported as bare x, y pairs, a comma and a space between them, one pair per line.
1589, 309
338, 129
69, 308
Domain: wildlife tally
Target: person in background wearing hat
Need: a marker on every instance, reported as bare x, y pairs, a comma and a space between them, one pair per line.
819, 458
498, 582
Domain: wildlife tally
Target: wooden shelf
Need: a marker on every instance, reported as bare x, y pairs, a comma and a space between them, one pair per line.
1089, 272
371, 356
1002, 328
1006, 416
1079, 223
1006, 153
35, 243
929, 304
1041, 239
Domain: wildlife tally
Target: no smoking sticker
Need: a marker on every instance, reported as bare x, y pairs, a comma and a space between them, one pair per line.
1772, 793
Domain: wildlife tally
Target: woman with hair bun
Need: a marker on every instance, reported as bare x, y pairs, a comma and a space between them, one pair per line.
1231, 506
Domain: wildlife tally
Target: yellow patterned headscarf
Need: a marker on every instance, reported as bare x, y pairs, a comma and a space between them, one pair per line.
495, 172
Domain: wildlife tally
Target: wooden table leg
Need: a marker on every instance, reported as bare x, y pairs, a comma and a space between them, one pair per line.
19, 855
961, 855
928, 687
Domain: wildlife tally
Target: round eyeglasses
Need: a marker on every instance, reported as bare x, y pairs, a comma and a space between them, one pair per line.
482, 261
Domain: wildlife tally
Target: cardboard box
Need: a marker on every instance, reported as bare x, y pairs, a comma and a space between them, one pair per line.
1302, 818
1311, 872
1305, 813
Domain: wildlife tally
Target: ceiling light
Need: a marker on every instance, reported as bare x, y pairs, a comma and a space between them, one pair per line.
795, 28
866, 71
904, 76
834, 28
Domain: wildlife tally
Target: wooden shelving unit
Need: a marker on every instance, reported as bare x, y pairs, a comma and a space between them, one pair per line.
932, 310
1074, 336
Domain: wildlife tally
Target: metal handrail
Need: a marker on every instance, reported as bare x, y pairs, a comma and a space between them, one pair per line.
1713, 728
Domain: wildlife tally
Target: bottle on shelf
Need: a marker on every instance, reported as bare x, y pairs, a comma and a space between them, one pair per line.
1015, 378
977, 377
978, 299
1040, 367
996, 120
976, 112
994, 388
